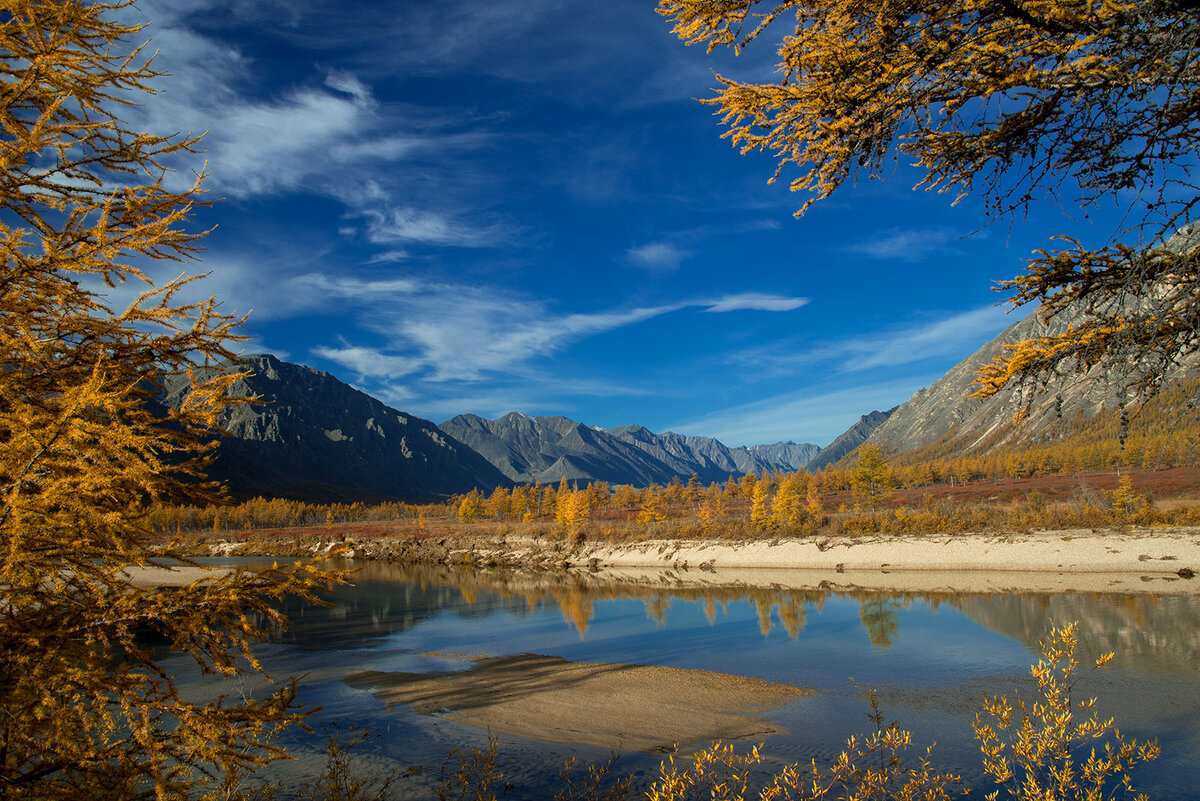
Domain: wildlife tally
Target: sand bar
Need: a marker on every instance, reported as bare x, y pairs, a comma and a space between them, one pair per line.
172, 576
613, 706
1077, 551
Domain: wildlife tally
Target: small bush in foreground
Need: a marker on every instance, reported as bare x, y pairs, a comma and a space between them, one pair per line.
1058, 748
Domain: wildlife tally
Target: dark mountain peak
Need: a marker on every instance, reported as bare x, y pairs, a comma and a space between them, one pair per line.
470, 420
515, 418
312, 437
851, 438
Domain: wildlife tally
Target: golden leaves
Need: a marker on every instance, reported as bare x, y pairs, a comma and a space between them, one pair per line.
84, 709
1077, 101
1035, 751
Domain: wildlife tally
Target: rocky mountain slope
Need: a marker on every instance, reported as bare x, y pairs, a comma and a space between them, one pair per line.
315, 438
945, 410
548, 449
787, 457
682, 456
850, 439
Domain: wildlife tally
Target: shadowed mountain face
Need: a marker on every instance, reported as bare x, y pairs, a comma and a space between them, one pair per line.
315, 438
850, 439
548, 449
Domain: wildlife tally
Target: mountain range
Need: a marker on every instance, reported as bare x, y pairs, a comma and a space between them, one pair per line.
313, 438
548, 449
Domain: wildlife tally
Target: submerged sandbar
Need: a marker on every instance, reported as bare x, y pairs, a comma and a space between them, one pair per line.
615, 706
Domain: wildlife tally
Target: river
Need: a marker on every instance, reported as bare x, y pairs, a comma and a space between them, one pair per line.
929, 656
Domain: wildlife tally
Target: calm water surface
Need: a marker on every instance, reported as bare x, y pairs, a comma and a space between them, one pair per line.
930, 657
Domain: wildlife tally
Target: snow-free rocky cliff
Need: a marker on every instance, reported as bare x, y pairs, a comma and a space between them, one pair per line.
312, 437
945, 409
548, 449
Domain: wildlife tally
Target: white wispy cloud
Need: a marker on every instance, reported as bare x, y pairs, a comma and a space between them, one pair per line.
406, 224
369, 362
466, 333
348, 83
815, 417
404, 146
326, 135
253, 145
389, 257
656, 256
968, 330
906, 245
756, 301
321, 285
955, 336
450, 332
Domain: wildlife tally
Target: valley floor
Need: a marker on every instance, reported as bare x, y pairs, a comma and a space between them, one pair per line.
1044, 533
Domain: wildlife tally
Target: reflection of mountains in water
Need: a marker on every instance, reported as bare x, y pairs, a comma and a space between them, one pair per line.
1147, 632
1158, 633
376, 606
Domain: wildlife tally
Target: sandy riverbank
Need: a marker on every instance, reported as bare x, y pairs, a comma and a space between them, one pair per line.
1048, 561
174, 576
1081, 551
1138, 560
614, 706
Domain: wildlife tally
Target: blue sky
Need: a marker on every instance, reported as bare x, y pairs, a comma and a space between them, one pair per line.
469, 206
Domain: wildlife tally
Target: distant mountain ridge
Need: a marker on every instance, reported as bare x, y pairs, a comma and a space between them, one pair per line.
850, 439
786, 457
315, 438
548, 449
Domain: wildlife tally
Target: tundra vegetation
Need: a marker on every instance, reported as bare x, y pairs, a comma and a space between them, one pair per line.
1083, 476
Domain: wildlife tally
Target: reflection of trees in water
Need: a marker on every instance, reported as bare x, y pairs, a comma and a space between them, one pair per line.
1151, 631
880, 616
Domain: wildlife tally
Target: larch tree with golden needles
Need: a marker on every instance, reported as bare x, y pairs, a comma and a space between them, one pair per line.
1075, 102
84, 709
871, 481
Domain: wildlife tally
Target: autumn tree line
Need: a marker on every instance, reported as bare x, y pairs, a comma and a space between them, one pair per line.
861, 497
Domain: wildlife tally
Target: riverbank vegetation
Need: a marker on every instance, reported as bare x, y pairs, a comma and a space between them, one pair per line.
858, 500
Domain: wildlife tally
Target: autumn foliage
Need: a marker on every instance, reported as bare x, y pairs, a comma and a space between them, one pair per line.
85, 207
1074, 104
